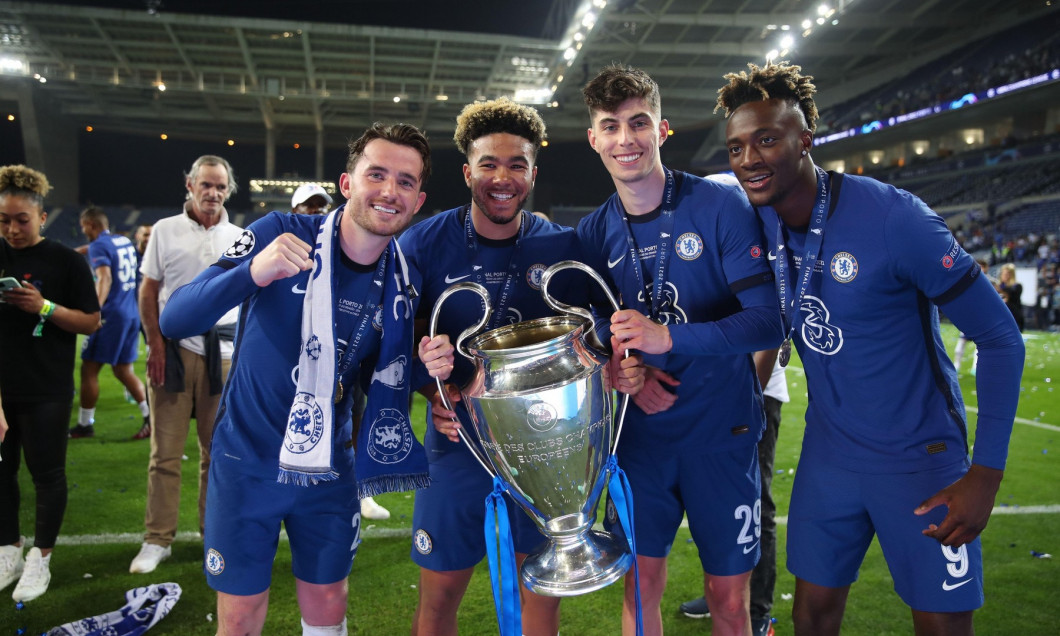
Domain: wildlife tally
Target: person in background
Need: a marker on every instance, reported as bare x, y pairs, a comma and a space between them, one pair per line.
39, 324
310, 198
113, 260
1011, 291
185, 376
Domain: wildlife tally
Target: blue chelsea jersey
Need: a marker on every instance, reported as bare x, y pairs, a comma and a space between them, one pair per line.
119, 254
263, 378
716, 268
883, 395
440, 253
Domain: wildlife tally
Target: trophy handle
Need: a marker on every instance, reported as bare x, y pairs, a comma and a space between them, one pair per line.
587, 315
467, 333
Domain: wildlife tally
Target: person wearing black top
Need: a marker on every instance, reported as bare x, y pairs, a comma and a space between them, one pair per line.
55, 300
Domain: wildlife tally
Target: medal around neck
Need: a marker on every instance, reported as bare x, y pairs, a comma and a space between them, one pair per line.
542, 419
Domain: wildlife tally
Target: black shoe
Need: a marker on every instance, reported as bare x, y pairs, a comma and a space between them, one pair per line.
696, 609
762, 626
80, 431
145, 430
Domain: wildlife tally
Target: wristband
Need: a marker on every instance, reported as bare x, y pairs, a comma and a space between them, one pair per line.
46, 310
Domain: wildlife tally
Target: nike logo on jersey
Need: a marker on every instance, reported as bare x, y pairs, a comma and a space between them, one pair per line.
749, 549
611, 264
295, 290
452, 279
946, 587
771, 256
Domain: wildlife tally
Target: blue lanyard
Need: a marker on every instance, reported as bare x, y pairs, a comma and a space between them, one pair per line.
814, 240
500, 310
662, 256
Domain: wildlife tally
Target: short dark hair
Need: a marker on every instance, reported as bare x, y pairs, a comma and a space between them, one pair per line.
95, 215
24, 181
776, 81
617, 83
401, 134
502, 115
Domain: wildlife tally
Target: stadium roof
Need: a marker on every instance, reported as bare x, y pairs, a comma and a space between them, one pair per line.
299, 69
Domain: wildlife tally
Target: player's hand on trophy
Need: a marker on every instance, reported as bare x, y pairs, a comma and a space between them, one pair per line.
284, 257
437, 355
625, 373
444, 420
655, 397
969, 501
634, 330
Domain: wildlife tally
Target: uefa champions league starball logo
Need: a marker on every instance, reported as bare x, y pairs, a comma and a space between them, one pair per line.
243, 245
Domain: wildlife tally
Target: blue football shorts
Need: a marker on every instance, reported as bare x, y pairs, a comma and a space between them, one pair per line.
719, 492
116, 341
448, 517
835, 513
243, 518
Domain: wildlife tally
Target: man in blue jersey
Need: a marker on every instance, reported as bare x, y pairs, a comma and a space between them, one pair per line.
686, 256
113, 259
493, 242
861, 271
325, 302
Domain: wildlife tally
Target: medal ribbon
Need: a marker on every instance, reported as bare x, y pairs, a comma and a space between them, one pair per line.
500, 310
500, 552
373, 299
662, 256
814, 240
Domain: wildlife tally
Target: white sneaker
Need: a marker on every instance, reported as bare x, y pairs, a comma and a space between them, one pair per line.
149, 558
35, 577
371, 510
11, 563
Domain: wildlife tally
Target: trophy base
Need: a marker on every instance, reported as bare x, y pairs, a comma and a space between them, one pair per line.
591, 562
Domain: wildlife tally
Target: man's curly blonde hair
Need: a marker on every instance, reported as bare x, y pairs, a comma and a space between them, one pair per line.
24, 182
498, 116
776, 81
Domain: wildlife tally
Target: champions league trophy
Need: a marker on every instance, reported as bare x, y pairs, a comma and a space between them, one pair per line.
542, 420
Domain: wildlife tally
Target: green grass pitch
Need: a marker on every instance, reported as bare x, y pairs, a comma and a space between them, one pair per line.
104, 522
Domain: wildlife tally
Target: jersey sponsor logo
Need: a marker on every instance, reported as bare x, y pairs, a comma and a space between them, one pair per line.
670, 313
689, 246
534, 274
947, 586
611, 263
541, 416
844, 267
296, 290
390, 437
819, 334
449, 280
393, 374
243, 245
313, 347
756, 252
305, 424
422, 541
771, 256
215, 563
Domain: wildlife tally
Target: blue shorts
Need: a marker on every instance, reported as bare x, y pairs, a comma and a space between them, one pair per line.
448, 517
720, 493
243, 517
835, 513
116, 341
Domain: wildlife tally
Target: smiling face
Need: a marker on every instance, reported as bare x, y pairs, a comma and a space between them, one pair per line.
500, 172
21, 220
768, 144
383, 190
628, 140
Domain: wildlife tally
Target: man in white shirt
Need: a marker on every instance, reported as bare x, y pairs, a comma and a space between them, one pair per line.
185, 376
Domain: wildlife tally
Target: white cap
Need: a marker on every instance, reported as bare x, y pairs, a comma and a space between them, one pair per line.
306, 191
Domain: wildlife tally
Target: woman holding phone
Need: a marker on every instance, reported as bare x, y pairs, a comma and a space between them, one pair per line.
39, 321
